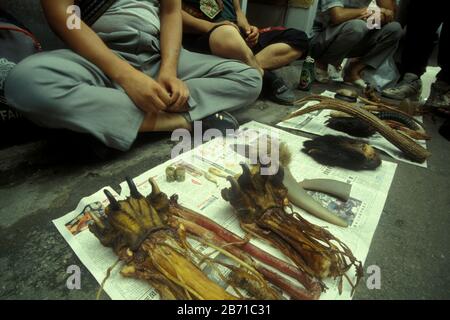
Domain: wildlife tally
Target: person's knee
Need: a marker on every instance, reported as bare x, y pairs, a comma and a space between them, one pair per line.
251, 80
394, 30
37, 84
299, 41
24, 88
223, 36
355, 30
226, 41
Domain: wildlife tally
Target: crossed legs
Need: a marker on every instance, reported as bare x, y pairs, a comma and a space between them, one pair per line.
227, 42
67, 91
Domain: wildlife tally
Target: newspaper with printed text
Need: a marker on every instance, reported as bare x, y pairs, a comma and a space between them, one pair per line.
362, 212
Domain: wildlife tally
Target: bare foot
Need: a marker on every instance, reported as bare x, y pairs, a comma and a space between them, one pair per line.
163, 122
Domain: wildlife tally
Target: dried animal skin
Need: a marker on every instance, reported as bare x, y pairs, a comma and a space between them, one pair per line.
340, 151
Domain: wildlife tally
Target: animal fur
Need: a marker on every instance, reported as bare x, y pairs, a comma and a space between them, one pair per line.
351, 126
371, 93
252, 151
339, 151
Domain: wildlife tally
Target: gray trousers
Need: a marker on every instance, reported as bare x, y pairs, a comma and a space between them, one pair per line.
61, 89
353, 39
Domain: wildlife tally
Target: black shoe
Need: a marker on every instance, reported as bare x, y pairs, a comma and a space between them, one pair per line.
220, 121
277, 90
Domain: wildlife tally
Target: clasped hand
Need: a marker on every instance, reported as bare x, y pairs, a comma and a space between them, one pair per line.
166, 93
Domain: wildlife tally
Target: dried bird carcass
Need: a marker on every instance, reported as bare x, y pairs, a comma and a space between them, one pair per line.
137, 230
343, 152
260, 202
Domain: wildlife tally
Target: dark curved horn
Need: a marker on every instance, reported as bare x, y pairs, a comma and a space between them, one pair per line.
134, 193
234, 185
246, 176
155, 188
225, 193
114, 205
278, 177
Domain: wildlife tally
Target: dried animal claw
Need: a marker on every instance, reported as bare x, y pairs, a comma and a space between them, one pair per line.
260, 206
141, 232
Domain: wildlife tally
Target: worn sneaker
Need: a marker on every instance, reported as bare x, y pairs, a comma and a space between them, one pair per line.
222, 121
409, 88
276, 90
439, 96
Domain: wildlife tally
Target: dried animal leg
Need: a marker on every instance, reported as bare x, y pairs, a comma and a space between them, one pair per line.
299, 197
199, 223
385, 107
260, 202
405, 120
417, 135
137, 230
245, 251
346, 95
296, 194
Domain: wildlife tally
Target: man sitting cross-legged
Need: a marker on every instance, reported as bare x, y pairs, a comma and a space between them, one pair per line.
343, 30
221, 28
127, 73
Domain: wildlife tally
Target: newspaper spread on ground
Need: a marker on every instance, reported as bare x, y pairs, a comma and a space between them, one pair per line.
362, 211
314, 123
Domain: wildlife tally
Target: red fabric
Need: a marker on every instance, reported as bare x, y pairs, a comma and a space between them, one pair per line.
268, 29
35, 41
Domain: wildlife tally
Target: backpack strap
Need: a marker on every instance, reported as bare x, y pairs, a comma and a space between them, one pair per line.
92, 10
36, 43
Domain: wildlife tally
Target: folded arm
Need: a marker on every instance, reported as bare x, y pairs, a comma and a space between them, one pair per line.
388, 10
340, 15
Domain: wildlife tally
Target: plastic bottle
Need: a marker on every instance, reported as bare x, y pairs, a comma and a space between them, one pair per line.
307, 76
